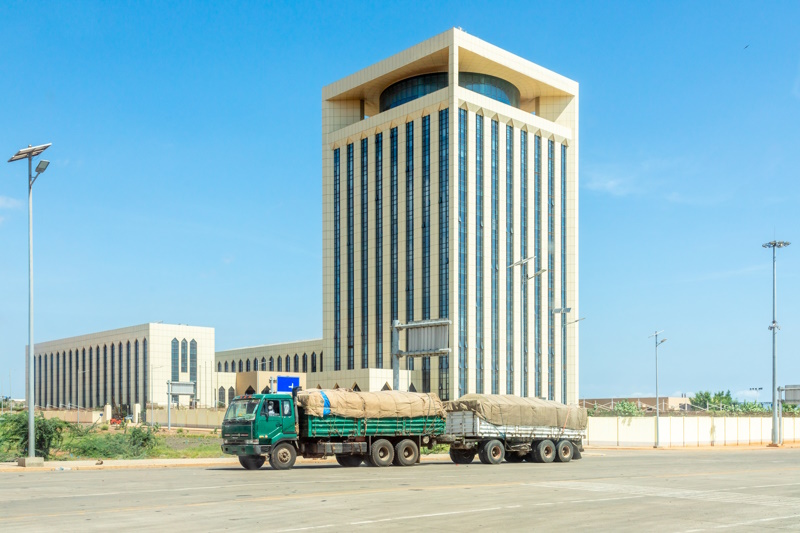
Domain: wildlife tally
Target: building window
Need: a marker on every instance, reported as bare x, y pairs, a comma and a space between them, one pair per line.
145, 371
219, 366
98, 403
255, 364
462, 252
241, 365
350, 261
495, 260
479, 375
379, 250
426, 240
263, 364
563, 272
58, 381
320, 361
226, 367
193, 361
280, 364
83, 377
551, 269
221, 397
176, 376
523, 253
184, 356
231, 394
296, 363
305, 362
394, 224
107, 382
409, 230
288, 368
313, 361
537, 251
113, 398
126, 396
247, 366
364, 256
337, 265
444, 239
271, 364
509, 259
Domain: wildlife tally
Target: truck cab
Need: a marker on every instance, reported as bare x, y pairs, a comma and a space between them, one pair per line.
259, 425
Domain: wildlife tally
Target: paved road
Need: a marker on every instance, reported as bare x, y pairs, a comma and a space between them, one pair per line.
647, 490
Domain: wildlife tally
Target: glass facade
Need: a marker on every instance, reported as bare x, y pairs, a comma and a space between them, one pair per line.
523, 253
337, 266
551, 271
106, 382
509, 259
176, 375
393, 221
444, 242
193, 361
145, 371
184, 356
409, 230
110, 384
479, 313
537, 251
136, 382
411, 88
351, 285
491, 86
426, 240
70, 399
379, 250
563, 194
495, 260
462, 252
364, 256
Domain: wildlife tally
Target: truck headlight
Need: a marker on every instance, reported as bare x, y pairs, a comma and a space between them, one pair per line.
251, 441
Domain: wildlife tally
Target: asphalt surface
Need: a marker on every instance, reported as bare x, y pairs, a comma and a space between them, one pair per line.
620, 490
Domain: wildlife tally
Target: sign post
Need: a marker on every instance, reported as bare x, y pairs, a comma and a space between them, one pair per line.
424, 338
178, 388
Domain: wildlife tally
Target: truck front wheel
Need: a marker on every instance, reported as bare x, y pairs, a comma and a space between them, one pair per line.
251, 462
406, 453
382, 453
283, 456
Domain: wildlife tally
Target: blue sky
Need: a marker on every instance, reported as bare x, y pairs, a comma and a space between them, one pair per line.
179, 192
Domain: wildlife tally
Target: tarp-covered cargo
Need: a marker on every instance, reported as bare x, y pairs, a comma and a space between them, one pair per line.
507, 410
383, 404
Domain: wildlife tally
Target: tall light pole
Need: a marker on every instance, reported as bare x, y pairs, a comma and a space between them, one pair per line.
756, 390
658, 343
774, 327
29, 153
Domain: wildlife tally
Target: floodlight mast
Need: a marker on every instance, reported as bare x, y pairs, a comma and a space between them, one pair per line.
29, 153
774, 327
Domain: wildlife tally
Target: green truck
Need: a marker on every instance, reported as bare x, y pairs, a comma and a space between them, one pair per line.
387, 428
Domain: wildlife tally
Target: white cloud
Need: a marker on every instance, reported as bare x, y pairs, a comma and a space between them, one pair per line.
9, 203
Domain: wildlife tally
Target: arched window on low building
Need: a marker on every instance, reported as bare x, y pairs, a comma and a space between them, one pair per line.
313, 361
271, 364
280, 364
231, 394
240, 366
263, 364
248, 365
226, 367
219, 366
305, 362
288, 362
221, 396
296, 363
255, 364
320, 362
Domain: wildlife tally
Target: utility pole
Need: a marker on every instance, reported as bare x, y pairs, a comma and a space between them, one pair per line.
658, 343
774, 328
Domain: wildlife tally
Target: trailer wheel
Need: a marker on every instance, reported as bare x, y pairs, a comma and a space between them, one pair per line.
492, 452
283, 456
461, 456
406, 453
349, 460
515, 457
564, 451
382, 453
252, 462
545, 451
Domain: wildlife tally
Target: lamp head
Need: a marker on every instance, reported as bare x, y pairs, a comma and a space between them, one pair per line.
42, 166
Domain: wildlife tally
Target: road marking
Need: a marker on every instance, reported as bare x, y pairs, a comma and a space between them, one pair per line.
430, 515
746, 523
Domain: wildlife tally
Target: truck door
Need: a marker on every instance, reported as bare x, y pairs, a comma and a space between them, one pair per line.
272, 420
287, 413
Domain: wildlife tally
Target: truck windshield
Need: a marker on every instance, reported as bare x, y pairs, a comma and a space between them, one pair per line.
242, 410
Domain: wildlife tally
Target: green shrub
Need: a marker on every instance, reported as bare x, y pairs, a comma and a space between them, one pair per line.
104, 427
48, 434
626, 408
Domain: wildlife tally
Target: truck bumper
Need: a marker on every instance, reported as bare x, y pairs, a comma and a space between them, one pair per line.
246, 449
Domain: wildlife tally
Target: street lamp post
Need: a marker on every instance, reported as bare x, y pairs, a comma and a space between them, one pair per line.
658, 343
29, 153
756, 390
774, 328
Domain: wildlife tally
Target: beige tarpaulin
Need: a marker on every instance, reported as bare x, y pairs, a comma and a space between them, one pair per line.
507, 410
383, 404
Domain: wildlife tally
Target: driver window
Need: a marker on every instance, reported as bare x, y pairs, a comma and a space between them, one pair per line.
270, 408
286, 408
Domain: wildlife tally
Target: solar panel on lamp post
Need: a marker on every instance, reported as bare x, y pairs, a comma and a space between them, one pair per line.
29, 153
774, 328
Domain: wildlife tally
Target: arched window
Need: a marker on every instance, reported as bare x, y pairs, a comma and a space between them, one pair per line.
280, 364
320, 362
255, 364
226, 367
248, 365
219, 366
233, 366
305, 362
271, 364
184, 356
145, 371
176, 369
296, 363
221, 395
288, 361
193, 361
231, 394
313, 361
240, 365
106, 381
264, 364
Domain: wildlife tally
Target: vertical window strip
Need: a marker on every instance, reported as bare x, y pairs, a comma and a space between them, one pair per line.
193, 361
350, 262
462, 252
409, 230
364, 256
495, 261
426, 240
563, 272
551, 333
145, 372
509, 259
97, 376
136, 383
83, 378
337, 265
523, 253
69, 394
393, 222
379, 250
184, 356
106, 381
444, 242
537, 251
479, 314
120, 372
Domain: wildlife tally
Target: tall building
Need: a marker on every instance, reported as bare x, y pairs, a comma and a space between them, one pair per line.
443, 166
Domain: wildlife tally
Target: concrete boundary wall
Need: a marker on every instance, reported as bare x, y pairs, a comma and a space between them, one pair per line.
681, 432
192, 418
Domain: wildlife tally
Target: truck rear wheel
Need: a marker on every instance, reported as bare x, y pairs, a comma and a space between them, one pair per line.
492, 452
251, 462
545, 451
514, 457
406, 453
349, 460
461, 456
382, 453
283, 456
564, 451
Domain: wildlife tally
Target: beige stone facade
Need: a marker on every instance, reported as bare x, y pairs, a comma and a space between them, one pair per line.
405, 173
